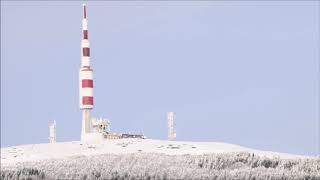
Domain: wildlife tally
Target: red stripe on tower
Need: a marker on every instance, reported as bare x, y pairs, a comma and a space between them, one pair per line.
87, 100
87, 83
84, 11
86, 51
85, 34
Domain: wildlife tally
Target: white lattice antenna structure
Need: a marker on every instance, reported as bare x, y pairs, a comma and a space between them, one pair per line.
100, 125
52, 132
171, 131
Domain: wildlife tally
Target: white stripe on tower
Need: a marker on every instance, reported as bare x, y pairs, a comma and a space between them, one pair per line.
85, 78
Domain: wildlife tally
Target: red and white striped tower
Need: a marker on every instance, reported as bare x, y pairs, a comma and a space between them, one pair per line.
86, 78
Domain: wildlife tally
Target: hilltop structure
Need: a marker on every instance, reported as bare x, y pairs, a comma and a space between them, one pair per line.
171, 131
93, 130
52, 132
86, 79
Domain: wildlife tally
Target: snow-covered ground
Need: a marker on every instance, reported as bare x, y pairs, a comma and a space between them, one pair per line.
38, 152
152, 159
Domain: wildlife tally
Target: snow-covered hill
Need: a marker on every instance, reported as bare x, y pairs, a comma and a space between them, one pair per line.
152, 159
34, 152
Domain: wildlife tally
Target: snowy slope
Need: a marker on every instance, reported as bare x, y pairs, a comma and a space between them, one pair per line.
39, 152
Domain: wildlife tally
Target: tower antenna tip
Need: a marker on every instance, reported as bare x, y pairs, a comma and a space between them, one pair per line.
84, 10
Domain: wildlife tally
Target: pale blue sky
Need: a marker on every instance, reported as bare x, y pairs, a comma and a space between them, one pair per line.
245, 73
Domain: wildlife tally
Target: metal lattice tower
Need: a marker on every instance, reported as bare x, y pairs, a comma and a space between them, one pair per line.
171, 131
52, 132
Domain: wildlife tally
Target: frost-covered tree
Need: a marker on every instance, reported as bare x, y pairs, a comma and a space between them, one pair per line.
233, 166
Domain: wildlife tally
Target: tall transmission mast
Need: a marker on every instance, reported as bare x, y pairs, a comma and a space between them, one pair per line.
171, 131
86, 78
